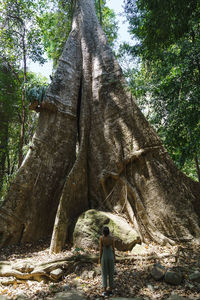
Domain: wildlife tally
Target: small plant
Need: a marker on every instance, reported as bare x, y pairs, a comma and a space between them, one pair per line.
36, 93
77, 250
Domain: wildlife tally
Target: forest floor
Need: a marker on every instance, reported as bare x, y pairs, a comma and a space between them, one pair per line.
132, 278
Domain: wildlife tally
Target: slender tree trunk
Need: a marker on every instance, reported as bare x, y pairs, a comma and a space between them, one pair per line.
3, 145
23, 114
120, 159
100, 13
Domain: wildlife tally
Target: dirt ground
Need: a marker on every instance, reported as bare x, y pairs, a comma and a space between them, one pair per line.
132, 278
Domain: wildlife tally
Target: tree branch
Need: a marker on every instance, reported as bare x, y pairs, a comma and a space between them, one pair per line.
16, 17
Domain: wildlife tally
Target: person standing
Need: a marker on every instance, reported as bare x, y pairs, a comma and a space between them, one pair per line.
107, 259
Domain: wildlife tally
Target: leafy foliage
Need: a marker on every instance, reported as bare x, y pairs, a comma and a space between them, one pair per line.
20, 30
55, 25
8, 113
20, 40
158, 24
167, 85
107, 19
36, 93
109, 25
10, 125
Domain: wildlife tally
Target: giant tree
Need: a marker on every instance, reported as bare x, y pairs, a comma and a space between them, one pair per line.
93, 148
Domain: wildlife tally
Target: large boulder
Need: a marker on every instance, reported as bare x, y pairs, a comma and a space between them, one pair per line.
89, 228
195, 277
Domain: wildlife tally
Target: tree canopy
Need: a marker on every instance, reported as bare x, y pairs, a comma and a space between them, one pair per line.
158, 24
168, 82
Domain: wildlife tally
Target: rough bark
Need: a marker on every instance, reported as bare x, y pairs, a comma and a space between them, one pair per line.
121, 160
124, 152
28, 211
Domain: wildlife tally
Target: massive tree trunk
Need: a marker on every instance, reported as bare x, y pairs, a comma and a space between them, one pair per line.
94, 149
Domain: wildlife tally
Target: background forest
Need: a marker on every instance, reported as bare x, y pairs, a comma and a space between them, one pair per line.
162, 71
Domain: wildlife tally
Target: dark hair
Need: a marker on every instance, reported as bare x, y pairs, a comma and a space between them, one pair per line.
106, 231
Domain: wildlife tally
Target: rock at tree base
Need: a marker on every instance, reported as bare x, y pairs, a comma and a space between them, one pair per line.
7, 280
158, 272
21, 296
121, 298
89, 228
56, 274
173, 277
24, 267
177, 297
139, 249
68, 295
195, 277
